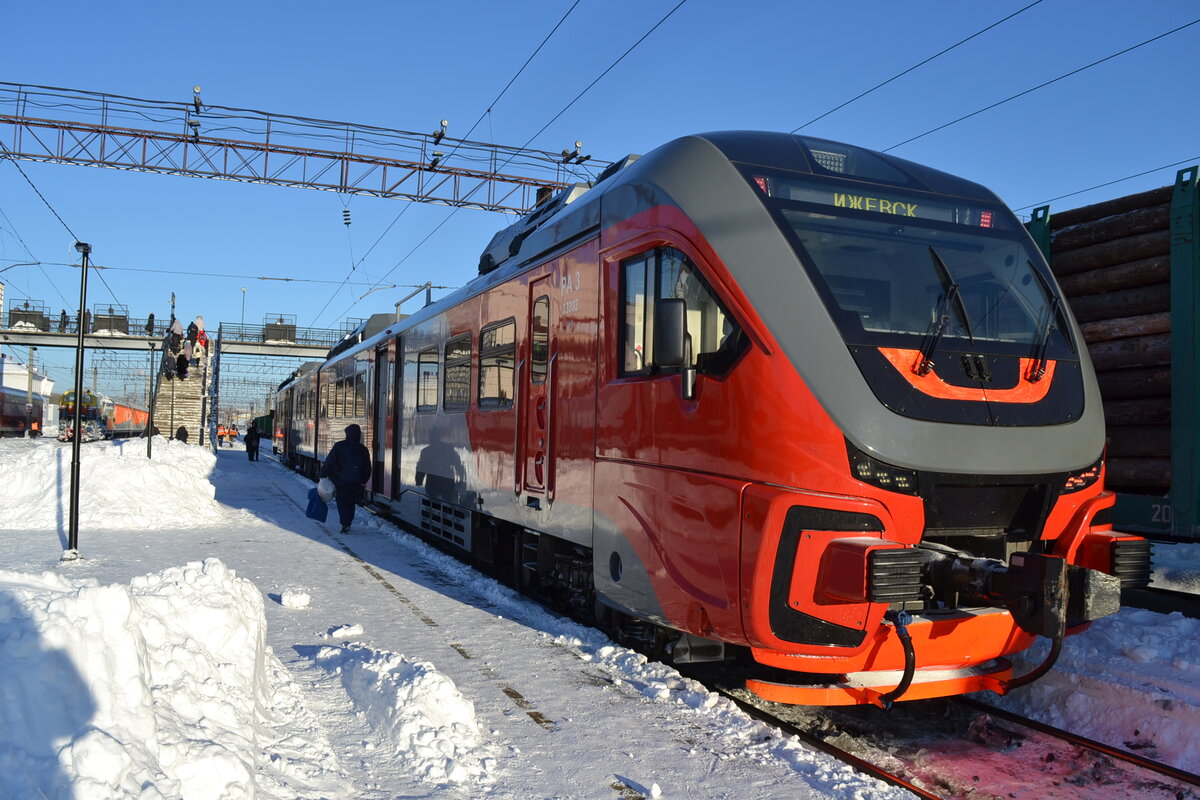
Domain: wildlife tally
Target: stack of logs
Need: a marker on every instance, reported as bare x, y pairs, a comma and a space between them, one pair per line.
1113, 263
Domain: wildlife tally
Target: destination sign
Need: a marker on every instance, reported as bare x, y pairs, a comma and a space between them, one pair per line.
884, 203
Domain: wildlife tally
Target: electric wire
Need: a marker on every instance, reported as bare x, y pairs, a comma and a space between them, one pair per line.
1194, 159
541, 130
482, 116
12, 159
54, 211
1043, 85
453, 151
916, 66
192, 274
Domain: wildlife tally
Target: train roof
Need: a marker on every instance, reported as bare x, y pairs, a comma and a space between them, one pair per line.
580, 209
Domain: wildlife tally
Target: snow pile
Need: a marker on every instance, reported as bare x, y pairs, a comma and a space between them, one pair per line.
419, 711
1129, 681
158, 689
118, 487
295, 598
1177, 567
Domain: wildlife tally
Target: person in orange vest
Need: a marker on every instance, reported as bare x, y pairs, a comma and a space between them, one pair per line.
34, 430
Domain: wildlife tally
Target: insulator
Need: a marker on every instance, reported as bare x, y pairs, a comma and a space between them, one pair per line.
346, 216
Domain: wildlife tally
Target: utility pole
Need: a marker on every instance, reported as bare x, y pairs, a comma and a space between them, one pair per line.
150, 405
29, 396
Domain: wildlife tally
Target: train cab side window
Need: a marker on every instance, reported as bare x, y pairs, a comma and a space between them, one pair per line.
540, 348
497, 356
634, 313
427, 380
666, 273
456, 387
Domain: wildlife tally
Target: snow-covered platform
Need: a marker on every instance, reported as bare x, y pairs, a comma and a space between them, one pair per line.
214, 642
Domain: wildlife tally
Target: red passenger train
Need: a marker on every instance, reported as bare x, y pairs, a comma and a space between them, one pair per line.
756, 398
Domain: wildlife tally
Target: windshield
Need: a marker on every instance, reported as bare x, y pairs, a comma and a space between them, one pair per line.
885, 278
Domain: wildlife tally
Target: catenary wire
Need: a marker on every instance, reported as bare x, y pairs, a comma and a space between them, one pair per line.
455, 148
1191, 160
1042, 85
918, 65
541, 130
454, 211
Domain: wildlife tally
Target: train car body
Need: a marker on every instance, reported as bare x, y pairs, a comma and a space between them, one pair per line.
124, 420
15, 420
103, 418
758, 395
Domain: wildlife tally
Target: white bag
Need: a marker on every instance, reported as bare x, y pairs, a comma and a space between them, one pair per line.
325, 489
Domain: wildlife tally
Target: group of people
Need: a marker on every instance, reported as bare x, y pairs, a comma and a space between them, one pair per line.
184, 350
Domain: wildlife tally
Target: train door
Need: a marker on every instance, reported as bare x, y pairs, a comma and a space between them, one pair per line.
538, 404
381, 477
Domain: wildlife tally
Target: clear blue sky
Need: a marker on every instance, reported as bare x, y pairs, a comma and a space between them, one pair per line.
773, 64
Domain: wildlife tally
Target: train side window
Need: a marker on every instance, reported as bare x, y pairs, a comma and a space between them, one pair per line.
427, 380
497, 357
540, 348
456, 386
666, 273
634, 314
360, 392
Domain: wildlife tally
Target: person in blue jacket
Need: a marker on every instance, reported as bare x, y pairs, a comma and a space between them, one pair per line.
348, 465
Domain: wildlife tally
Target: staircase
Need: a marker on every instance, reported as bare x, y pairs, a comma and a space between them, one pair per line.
184, 403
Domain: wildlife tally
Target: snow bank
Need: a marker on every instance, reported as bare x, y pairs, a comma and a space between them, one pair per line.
1176, 566
417, 710
119, 488
159, 689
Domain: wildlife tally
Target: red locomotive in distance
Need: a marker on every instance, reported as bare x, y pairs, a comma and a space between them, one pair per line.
760, 398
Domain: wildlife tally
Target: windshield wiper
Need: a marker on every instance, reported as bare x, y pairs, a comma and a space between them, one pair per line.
952, 296
1054, 314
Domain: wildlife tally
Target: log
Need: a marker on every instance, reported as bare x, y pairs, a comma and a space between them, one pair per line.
1148, 411
1123, 303
1138, 473
1108, 254
1141, 220
1108, 208
1142, 272
1144, 325
1139, 441
1140, 351
1123, 384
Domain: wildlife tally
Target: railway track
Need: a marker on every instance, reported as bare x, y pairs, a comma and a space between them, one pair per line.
952, 749
1163, 601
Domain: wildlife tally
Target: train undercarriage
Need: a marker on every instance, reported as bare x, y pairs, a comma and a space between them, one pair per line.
939, 595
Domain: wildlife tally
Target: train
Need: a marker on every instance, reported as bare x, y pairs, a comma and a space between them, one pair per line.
14, 419
780, 405
101, 417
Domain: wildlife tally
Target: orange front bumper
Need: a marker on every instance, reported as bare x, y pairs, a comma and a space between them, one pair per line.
956, 652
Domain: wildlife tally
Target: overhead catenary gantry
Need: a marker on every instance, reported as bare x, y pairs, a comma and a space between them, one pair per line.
66, 126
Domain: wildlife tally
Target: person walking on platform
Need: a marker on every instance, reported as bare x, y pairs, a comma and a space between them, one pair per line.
348, 465
251, 439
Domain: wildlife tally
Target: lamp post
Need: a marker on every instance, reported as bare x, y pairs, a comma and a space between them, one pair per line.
29, 396
243, 322
150, 406
72, 551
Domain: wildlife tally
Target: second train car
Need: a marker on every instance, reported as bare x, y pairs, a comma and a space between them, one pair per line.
759, 398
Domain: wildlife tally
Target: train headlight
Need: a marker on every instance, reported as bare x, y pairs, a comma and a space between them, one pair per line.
877, 473
1077, 481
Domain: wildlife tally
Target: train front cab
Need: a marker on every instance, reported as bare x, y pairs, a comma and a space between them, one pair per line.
732, 502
